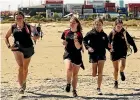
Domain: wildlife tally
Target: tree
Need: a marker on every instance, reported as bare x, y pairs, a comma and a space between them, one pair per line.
107, 16
56, 16
94, 16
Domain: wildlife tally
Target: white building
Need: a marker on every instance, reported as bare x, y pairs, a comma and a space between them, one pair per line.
96, 3
74, 8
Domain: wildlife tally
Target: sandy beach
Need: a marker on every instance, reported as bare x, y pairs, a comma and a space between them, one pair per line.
47, 74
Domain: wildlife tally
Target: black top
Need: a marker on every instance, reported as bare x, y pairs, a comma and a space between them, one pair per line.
38, 29
23, 37
68, 35
96, 40
119, 43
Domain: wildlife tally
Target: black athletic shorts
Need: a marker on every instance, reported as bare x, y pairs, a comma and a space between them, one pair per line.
75, 58
116, 56
27, 52
95, 58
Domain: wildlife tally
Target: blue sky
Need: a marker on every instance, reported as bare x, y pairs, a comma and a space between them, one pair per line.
4, 4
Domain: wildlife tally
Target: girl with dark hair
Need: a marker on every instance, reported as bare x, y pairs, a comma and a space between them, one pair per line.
120, 41
22, 47
72, 41
96, 42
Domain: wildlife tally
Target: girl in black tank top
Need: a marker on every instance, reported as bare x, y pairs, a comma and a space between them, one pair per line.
21, 35
22, 47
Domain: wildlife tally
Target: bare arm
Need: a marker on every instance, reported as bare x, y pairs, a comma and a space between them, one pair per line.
8, 34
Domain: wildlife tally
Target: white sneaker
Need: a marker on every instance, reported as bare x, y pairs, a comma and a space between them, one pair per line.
99, 91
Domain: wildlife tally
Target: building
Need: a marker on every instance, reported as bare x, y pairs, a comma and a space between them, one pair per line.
53, 6
110, 7
134, 9
49, 7
96, 3
73, 8
33, 10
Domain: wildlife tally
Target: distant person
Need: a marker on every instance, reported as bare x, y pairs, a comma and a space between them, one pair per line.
72, 41
120, 41
22, 47
39, 32
96, 42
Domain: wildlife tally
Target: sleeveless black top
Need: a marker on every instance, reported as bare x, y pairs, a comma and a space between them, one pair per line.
23, 36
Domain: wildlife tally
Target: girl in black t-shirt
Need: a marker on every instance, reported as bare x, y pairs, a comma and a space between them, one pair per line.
96, 42
72, 41
120, 41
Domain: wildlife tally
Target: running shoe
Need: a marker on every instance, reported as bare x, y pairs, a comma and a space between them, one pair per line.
74, 93
116, 84
21, 91
99, 91
68, 87
24, 86
122, 76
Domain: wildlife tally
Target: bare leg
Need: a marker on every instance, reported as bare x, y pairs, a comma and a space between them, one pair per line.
19, 59
94, 69
75, 76
100, 72
123, 63
69, 69
116, 69
75, 79
25, 67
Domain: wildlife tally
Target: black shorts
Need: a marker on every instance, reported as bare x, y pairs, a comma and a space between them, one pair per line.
27, 52
116, 56
95, 58
75, 58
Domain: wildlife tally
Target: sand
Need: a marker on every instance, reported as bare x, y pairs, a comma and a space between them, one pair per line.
47, 74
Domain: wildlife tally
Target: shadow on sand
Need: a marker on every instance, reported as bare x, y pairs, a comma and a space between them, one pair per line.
109, 96
41, 95
117, 97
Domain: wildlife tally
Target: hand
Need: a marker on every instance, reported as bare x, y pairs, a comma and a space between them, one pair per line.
111, 50
75, 40
35, 37
83, 50
75, 36
135, 50
90, 49
13, 47
109, 45
64, 42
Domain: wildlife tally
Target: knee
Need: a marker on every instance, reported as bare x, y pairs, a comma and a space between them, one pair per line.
100, 73
116, 70
20, 65
123, 65
75, 75
69, 69
94, 74
20, 69
25, 69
